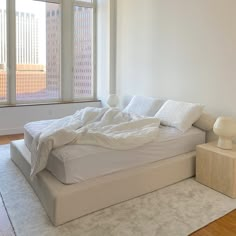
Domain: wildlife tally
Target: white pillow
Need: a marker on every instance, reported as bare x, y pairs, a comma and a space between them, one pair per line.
144, 106
205, 122
180, 115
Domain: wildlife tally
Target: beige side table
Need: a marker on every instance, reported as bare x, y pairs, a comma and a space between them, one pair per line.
216, 168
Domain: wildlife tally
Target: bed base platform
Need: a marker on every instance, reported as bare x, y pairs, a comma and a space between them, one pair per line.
64, 203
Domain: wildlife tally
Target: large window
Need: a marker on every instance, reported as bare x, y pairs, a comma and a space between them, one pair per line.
3, 52
37, 61
83, 52
38, 34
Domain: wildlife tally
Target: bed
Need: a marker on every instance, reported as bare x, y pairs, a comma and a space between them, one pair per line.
80, 179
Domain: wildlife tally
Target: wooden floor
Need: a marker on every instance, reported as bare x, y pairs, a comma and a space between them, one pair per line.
8, 138
225, 226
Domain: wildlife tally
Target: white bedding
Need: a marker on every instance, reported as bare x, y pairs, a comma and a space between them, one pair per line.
105, 127
76, 163
32, 129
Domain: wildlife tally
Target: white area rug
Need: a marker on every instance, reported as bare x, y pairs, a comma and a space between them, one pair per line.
175, 210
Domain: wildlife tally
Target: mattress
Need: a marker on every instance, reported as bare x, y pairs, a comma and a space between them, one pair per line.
77, 163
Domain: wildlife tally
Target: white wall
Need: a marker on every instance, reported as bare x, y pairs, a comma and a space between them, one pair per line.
12, 119
178, 49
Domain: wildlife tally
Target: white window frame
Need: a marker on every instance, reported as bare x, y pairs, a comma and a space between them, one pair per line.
67, 37
11, 52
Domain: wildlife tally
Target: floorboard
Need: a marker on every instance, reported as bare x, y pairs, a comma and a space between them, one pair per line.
224, 226
8, 138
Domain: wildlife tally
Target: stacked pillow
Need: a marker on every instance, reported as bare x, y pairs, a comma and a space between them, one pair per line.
205, 122
144, 106
180, 115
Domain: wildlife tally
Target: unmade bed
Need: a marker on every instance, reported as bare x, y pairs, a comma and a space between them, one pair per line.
110, 156
76, 163
126, 175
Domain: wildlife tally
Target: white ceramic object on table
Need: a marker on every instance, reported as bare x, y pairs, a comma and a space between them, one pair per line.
225, 128
113, 100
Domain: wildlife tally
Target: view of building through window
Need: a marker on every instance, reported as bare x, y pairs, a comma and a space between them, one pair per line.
38, 30
38, 51
83, 43
3, 52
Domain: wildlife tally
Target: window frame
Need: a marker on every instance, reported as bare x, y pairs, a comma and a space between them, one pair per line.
66, 88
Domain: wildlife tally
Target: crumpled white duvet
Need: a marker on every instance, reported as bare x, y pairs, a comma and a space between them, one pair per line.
104, 127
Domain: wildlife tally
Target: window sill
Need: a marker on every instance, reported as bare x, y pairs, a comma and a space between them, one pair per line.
48, 103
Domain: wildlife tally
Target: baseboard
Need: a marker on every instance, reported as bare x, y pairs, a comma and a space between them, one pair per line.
11, 131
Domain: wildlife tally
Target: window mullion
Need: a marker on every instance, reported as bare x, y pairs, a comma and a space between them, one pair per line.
95, 49
112, 59
11, 52
67, 51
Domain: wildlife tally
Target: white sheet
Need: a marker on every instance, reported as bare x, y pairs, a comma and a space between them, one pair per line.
105, 127
76, 163
32, 129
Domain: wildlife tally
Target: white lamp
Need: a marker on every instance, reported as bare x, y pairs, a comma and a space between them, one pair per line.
113, 100
225, 128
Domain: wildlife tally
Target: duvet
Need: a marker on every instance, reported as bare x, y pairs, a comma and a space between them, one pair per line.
106, 127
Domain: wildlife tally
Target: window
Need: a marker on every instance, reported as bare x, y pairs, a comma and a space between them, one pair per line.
83, 52
37, 51
35, 61
3, 53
